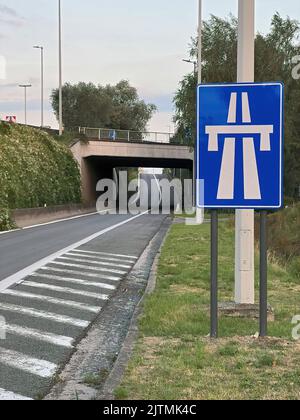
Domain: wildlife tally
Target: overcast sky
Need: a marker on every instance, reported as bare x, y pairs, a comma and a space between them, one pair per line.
105, 41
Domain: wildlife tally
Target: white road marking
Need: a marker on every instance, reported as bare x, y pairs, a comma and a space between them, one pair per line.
62, 319
75, 281
82, 273
58, 340
86, 267
65, 290
99, 258
18, 277
26, 363
130, 257
102, 263
11, 396
55, 301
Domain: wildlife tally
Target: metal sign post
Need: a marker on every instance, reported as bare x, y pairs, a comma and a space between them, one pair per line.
263, 275
214, 275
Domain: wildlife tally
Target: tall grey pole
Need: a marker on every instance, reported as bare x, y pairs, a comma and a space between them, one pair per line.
60, 70
42, 87
42, 83
199, 211
244, 251
25, 87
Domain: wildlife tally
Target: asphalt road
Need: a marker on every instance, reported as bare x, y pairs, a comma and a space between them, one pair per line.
44, 316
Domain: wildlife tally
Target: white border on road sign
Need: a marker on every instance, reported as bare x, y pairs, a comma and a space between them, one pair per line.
213, 85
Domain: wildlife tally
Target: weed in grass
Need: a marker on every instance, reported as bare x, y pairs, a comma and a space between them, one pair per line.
121, 393
265, 360
230, 350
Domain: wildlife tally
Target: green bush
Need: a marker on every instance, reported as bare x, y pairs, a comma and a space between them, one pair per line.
35, 170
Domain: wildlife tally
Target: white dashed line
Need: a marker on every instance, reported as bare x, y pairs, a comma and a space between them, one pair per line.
75, 281
100, 258
102, 263
82, 273
65, 290
27, 364
86, 267
58, 340
129, 257
11, 396
55, 301
44, 315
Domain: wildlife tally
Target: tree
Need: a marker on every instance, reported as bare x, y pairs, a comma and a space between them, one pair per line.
274, 54
88, 105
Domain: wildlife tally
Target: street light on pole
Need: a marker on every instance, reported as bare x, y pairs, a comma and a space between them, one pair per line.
60, 69
25, 87
42, 82
192, 62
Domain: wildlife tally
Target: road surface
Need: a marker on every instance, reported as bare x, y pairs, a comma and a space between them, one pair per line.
54, 281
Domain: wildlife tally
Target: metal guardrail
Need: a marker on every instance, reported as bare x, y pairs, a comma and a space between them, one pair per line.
126, 135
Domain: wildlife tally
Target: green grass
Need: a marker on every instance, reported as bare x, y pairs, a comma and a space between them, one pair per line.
174, 359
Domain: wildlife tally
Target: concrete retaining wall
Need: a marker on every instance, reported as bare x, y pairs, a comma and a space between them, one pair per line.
29, 217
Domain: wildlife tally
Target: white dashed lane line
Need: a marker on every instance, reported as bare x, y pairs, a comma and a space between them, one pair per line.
94, 262
26, 363
11, 396
65, 290
82, 273
99, 258
54, 301
87, 267
57, 340
128, 257
61, 319
75, 281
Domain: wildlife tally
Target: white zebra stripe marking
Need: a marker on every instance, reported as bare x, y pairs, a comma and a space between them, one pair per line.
129, 257
100, 258
55, 301
102, 263
85, 267
75, 281
82, 273
11, 396
26, 363
58, 340
65, 290
62, 319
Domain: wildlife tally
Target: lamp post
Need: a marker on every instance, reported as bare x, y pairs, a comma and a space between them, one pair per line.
60, 69
25, 87
244, 253
199, 211
192, 62
42, 82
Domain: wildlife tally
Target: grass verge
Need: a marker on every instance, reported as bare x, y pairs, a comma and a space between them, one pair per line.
174, 359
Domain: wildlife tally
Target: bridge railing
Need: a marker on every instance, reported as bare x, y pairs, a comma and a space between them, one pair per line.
126, 135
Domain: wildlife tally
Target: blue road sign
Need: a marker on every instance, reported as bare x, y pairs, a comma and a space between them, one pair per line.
240, 146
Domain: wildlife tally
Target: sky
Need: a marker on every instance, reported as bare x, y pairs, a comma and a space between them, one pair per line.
105, 41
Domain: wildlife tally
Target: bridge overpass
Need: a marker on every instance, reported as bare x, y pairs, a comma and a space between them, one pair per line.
102, 150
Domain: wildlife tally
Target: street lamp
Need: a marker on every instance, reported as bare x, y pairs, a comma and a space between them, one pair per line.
25, 87
60, 69
42, 82
192, 62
